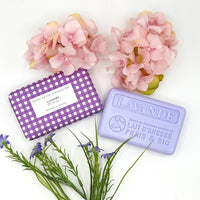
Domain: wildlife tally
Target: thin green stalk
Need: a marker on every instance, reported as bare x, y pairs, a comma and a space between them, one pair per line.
83, 193
52, 182
88, 161
108, 164
55, 180
96, 134
128, 171
95, 167
46, 183
28, 166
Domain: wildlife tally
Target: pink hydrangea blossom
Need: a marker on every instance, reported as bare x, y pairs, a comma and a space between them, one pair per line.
145, 50
65, 60
72, 33
43, 46
66, 48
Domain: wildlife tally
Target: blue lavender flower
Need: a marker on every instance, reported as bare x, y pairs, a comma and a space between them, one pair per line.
107, 155
95, 149
36, 150
49, 138
85, 145
3, 140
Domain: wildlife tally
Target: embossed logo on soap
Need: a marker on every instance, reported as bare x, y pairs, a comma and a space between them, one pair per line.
146, 108
117, 123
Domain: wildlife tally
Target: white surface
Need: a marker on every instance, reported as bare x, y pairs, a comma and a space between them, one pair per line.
156, 176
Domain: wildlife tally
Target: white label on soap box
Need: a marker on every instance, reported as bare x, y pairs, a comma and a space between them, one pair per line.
53, 100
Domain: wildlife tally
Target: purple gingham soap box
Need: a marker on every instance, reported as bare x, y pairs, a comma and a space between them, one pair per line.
54, 102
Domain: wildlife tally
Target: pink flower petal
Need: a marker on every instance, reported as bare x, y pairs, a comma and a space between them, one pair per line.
70, 18
38, 39
79, 37
98, 44
156, 29
143, 20
41, 64
68, 69
158, 54
157, 18
63, 36
144, 81
57, 61
90, 27
148, 67
72, 26
132, 69
55, 40
163, 54
51, 52
118, 56
38, 52
126, 47
170, 55
132, 57
142, 41
145, 55
171, 42
29, 53
132, 35
159, 67
116, 34
117, 78
131, 84
132, 75
68, 50
167, 31
80, 53
154, 41
50, 29
90, 58
77, 63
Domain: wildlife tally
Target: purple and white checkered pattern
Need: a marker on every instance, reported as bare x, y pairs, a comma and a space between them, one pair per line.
88, 103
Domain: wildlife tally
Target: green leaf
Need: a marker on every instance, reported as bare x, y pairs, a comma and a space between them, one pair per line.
153, 85
148, 92
96, 134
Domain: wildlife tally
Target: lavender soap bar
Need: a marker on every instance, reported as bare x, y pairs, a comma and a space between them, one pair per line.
54, 102
126, 114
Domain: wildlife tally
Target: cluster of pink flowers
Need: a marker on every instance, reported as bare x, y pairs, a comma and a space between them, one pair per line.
66, 48
145, 50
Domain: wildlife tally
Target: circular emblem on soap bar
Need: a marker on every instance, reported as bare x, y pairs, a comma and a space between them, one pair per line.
117, 123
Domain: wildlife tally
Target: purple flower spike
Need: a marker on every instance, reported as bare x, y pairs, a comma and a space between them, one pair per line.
107, 155
36, 150
3, 140
95, 149
49, 138
85, 145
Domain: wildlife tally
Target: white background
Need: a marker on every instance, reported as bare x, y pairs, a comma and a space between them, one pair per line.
156, 176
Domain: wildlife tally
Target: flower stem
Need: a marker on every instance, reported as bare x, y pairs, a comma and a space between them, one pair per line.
83, 193
128, 172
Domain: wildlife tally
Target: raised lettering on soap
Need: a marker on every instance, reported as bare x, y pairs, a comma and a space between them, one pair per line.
145, 108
